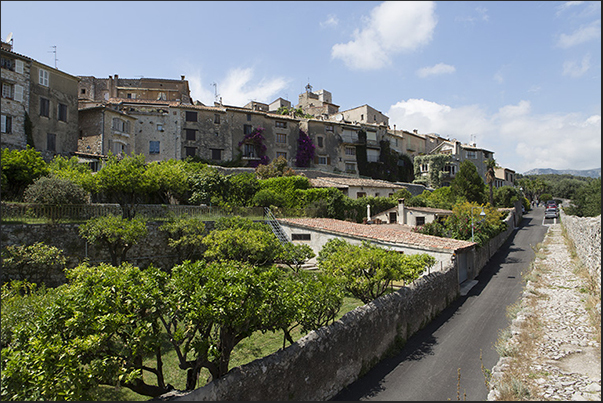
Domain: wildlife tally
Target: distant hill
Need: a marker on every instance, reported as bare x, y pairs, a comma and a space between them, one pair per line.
590, 173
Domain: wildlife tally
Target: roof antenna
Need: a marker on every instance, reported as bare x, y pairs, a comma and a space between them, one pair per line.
216, 95
55, 55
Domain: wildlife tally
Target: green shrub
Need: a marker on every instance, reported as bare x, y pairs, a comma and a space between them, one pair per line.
55, 191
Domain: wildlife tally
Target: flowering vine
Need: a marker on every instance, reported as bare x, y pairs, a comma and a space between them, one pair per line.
305, 150
256, 138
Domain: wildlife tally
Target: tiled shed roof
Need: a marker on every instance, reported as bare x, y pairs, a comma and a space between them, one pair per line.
324, 181
379, 232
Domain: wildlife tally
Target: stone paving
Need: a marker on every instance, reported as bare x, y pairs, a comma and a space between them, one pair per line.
567, 362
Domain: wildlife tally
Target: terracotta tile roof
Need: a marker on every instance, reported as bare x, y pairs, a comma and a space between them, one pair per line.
429, 210
386, 233
325, 181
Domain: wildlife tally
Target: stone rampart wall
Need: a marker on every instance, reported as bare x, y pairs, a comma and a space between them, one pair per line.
585, 233
323, 362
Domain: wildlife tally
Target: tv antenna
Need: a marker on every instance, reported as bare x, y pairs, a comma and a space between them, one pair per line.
216, 95
55, 55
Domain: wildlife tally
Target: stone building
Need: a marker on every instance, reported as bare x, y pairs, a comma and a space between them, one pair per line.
365, 114
48, 96
15, 97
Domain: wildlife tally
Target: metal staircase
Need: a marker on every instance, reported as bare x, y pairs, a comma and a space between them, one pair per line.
276, 227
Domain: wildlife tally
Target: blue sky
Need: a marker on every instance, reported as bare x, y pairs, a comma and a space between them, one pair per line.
521, 79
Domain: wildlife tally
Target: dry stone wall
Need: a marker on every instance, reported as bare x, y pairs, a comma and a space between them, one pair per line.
323, 362
585, 232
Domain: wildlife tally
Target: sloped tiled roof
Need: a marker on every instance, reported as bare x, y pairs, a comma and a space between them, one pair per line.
379, 232
324, 181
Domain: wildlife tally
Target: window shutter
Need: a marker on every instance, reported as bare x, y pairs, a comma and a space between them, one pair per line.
328, 160
19, 66
18, 93
3, 124
316, 159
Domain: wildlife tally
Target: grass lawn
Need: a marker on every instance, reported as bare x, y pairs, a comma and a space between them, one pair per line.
257, 346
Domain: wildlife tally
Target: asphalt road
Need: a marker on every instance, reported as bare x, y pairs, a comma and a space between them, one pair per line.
462, 338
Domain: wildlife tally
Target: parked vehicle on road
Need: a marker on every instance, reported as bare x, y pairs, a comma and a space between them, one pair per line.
551, 213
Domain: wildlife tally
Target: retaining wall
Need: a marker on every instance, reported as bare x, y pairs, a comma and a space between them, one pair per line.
585, 233
325, 361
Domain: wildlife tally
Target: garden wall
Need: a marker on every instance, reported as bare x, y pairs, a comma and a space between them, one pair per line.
585, 233
321, 364
151, 249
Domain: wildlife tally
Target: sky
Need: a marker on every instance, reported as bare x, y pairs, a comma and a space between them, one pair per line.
519, 78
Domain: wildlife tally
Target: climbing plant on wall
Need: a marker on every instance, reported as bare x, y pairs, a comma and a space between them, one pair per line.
436, 163
305, 150
256, 138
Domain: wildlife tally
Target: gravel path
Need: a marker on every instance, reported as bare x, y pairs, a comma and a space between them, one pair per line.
552, 342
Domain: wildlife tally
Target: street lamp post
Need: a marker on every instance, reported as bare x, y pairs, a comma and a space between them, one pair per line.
482, 214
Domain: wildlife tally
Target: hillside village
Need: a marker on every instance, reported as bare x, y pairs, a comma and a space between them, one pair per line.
61, 114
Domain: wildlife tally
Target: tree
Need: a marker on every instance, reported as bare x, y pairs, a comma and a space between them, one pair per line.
468, 184
35, 263
20, 168
96, 330
126, 181
55, 191
70, 168
185, 236
367, 271
115, 233
171, 179
241, 188
274, 169
587, 200
257, 247
490, 177
207, 186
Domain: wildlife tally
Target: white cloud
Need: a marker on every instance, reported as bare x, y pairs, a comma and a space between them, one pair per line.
237, 88
331, 21
583, 34
520, 139
391, 28
575, 69
567, 5
438, 69
482, 15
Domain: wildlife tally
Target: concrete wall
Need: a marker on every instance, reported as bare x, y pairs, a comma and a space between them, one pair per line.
585, 233
325, 361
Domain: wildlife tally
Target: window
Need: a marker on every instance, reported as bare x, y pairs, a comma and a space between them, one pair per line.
153, 147
7, 124
329, 128
281, 138
371, 136
420, 221
249, 117
190, 151
217, 119
424, 167
361, 117
282, 125
350, 167
191, 116
62, 115
372, 155
322, 160
19, 66
216, 154
300, 237
249, 151
83, 91
44, 107
350, 151
360, 194
7, 64
281, 154
247, 129
7, 91
159, 127
44, 78
51, 141
451, 169
471, 155
120, 125
319, 141
191, 134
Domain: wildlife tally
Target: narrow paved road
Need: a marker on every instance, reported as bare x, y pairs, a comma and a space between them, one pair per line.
429, 365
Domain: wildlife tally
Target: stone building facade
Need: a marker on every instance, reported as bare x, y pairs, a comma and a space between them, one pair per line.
15, 97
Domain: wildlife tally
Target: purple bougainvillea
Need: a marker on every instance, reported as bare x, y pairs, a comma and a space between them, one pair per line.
305, 150
256, 139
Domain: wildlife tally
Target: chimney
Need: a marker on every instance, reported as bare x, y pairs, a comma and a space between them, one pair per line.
401, 212
415, 131
182, 78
